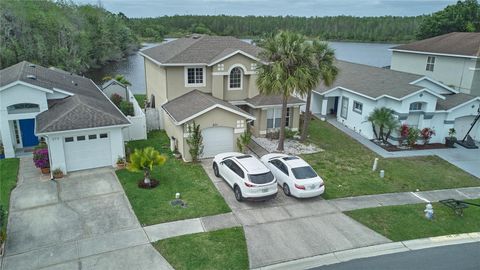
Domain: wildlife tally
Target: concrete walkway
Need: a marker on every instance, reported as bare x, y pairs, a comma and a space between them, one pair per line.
83, 221
466, 159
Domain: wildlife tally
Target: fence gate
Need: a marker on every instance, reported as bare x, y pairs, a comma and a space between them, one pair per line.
154, 119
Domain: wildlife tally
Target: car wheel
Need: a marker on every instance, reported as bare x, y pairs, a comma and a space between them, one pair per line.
238, 193
286, 190
215, 170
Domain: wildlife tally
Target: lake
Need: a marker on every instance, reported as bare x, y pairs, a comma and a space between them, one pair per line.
373, 54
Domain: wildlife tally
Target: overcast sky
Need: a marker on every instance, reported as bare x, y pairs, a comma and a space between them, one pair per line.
154, 8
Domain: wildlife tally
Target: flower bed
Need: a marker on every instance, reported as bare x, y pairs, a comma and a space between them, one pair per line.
394, 148
292, 147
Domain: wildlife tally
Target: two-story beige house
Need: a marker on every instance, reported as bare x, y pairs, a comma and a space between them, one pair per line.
453, 59
211, 80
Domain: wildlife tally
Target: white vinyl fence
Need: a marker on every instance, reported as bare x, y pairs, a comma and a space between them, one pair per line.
138, 129
154, 119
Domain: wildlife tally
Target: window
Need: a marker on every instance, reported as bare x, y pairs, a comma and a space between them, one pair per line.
416, 106
235, 79
103, 135
357, 107
262, 178
80, 138
430, 63
287, 119
92, 137
282, 167
236, 169
17, 133
304, 172
195, 76
152, 101
23, 108
274, 116
344, 110
68, 139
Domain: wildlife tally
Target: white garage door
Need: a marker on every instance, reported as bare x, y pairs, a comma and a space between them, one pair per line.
87, 151
463, 124
217, 140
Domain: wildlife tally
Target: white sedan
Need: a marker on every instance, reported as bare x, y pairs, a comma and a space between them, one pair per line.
294, 175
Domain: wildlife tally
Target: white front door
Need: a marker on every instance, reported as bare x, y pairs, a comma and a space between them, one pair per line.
86, 151
217, 140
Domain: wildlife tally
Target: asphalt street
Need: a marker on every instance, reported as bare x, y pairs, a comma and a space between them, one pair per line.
457, 257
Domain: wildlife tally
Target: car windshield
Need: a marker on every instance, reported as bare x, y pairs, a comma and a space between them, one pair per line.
304, 172
261, 178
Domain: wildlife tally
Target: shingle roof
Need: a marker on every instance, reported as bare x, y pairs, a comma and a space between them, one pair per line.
87, 108
194, 102
372, 81
452, 101
459, 43
263, 100
200, 49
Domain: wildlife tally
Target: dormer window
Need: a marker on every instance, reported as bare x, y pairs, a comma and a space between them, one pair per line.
194, 76
416, 106
235, 79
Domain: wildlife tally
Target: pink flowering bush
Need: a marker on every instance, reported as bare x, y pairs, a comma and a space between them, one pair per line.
40, 158
427, 134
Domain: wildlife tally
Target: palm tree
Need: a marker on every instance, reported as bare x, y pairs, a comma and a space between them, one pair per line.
287, 72
144, 160
382, 118
119, 78
325, 71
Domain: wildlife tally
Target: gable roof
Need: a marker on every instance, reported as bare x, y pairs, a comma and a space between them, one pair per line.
112, 81
455, 43
452, 101
88, 107
196, 103
199, 49
372, 82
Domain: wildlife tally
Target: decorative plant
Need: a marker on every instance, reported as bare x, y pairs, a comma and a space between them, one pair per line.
57, 173
40, 158
290, 134
403, 133
144, 160
2, 149
243, 140
382, 119
412, 137
120, 160
195, 141
126, 107
116, 99
427, 134
451, 133
119, 78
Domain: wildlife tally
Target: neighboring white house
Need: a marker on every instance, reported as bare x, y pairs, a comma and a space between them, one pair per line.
82, 127
453, 59
416, 100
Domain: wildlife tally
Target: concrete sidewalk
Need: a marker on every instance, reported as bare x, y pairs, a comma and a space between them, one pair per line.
465, 159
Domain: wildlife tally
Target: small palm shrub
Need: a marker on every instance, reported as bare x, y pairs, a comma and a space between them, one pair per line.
144, 160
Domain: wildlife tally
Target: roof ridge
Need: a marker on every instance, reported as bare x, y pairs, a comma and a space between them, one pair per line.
22, 69
380, 68
180, 52
97, 110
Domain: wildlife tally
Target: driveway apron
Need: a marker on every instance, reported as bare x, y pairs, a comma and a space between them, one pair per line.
82, 221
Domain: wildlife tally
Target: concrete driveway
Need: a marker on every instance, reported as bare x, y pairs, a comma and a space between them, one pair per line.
83, 221
466, 159
286, 228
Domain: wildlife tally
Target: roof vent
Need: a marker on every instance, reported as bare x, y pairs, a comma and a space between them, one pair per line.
32, 77
74, 83
196, 36
32, 65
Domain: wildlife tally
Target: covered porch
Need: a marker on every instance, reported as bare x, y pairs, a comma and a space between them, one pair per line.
325, 106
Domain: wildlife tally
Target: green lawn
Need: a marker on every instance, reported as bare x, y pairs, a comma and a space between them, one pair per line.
223, 249
406, 222
346, 167
153, 206
140, 99
8, 180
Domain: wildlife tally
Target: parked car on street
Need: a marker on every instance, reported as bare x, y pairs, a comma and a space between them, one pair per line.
249, 178
295, 176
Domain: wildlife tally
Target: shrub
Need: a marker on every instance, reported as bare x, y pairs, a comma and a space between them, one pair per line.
195, 141
126, 108
412, 137
40, 158
116, 99
144, 160
403, 133
290, 134
427, 134
243, 140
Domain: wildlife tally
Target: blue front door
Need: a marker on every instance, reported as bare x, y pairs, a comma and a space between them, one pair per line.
27, 128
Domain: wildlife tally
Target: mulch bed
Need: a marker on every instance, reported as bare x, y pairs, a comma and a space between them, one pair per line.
393, 148
153, 183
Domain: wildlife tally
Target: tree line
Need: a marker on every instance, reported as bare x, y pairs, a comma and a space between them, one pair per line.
73, 37
346, 28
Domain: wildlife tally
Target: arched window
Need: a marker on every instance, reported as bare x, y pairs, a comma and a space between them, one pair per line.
235, 79
23, 108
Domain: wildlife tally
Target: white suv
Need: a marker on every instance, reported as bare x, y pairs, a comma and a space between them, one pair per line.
249, 178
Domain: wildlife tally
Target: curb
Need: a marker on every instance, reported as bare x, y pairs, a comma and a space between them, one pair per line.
373, 251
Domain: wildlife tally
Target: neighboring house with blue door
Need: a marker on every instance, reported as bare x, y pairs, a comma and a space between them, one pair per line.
82, 127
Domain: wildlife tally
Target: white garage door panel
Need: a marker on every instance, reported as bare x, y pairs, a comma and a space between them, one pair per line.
89, 153
217, 140
463, 124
